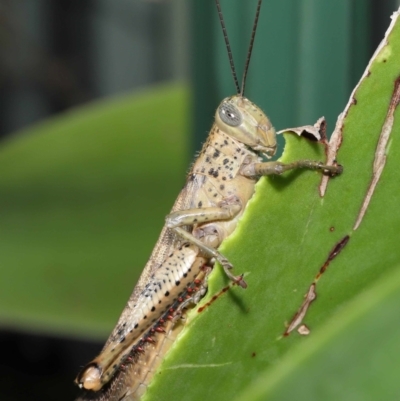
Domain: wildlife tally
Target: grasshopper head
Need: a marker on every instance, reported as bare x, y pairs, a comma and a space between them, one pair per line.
247, 123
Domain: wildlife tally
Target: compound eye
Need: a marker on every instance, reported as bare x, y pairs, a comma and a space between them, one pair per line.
229, 114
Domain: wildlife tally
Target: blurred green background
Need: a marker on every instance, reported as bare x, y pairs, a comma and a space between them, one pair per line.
103, 104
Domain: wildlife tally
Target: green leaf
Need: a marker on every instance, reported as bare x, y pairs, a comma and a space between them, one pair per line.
351, 358
82, 199
286, 236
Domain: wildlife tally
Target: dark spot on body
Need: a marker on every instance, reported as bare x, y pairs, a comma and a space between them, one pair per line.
166, 293
177, 282
200, 204
222, 187
213, 172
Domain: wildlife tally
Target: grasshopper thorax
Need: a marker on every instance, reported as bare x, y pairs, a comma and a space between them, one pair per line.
241, 119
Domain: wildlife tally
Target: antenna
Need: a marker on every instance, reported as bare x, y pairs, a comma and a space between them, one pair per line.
228, 47
253, 35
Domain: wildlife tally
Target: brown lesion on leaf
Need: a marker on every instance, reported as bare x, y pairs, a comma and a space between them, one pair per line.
332, 148
215, 297
303, 330
297, 319
380, 152
311, 295
316, 132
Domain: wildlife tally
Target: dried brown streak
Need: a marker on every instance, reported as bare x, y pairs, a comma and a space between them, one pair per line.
338, 248
331, 150
214, 298
311, 294
380, 153
300, 314
332, 255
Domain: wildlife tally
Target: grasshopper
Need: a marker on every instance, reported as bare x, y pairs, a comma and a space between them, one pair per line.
220, 183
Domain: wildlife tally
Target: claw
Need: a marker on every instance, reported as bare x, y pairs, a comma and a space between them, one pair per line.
240, 281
